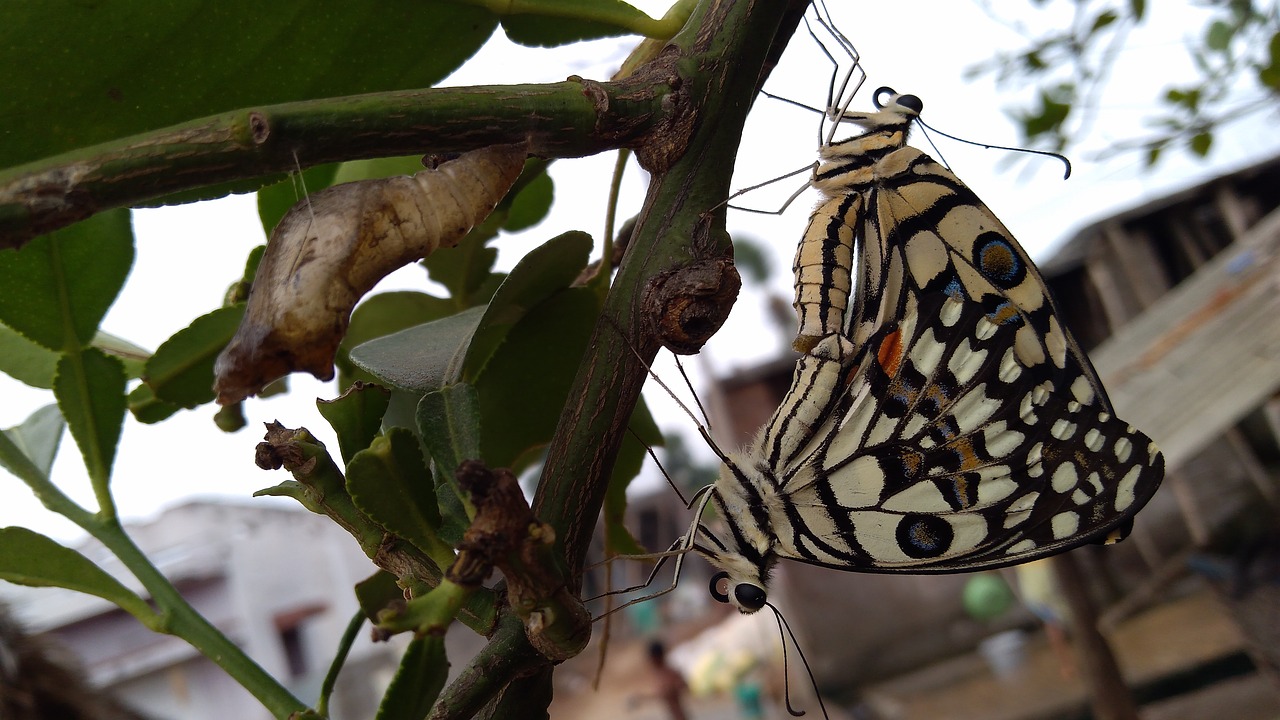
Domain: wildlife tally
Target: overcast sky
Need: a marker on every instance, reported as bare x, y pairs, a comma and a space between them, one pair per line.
187, 255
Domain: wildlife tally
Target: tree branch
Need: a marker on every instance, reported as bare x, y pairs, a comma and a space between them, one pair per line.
253, 147
724, 56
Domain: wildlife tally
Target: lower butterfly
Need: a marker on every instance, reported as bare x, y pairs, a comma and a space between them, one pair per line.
941, 419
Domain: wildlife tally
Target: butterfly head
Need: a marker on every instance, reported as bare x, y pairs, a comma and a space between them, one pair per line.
883, 130
745, 554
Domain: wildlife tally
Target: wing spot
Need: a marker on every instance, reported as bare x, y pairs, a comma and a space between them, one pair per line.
1094, 440
1123, 449
1022, 546
1064, 524
1063, 429
924, 536
1064, 478
1124, 488
1082, 390
890, 353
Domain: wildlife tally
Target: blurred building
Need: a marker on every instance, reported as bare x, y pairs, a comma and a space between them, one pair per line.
276, 580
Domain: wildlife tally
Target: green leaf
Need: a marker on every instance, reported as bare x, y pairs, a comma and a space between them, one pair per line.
390, 483
383, 314
1138, 9
751, 261
1050, 116
1103, 19
378, 592
147, 408
58, 287
356, 416
239, 290
523, 389
463, 269
1153, 154
355, 170
1269, 74
38, 437
543, 31
29, 558
1218, 36
545, 270
276, 200
531, 204
181, 371
25, 360
448, 421
644, 431
1200, 143
90, 389
422, 673
422, 358
109, 83
543, 23
134, 358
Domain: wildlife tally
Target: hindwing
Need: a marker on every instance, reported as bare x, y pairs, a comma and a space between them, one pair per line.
939, 455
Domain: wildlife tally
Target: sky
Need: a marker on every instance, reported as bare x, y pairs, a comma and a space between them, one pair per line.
186, 457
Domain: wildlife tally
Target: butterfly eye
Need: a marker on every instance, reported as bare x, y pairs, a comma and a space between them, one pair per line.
720, 587
911, 102
884, 95
749, 596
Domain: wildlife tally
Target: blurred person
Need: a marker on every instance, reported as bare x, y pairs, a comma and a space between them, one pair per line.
669, 686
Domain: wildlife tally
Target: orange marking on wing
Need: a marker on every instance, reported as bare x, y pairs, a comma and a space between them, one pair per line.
890, 353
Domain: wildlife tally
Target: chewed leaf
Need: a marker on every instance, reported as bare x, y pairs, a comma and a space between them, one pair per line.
352, 235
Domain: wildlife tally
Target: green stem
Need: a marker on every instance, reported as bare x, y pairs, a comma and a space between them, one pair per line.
178, 618
339, 658
175, 616
257, 146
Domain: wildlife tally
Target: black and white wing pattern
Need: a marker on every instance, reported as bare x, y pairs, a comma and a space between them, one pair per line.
941, 419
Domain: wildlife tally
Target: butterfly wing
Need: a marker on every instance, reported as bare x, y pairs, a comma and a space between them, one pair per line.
946, 456
959, 425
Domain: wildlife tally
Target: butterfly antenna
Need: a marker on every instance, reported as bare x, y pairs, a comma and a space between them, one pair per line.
924, 130
1057, 156
786, 678
658, 462
702, 429
688, 384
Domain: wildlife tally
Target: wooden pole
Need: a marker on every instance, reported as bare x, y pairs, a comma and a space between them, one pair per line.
1109, 697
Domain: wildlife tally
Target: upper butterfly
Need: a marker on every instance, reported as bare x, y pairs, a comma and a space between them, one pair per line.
942, 419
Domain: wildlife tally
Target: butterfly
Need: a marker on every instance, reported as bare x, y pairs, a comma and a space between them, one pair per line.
940, 419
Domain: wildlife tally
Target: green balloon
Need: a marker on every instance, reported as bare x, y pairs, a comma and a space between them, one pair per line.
987, 597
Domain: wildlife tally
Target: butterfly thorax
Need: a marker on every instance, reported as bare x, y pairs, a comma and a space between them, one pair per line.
856, 162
